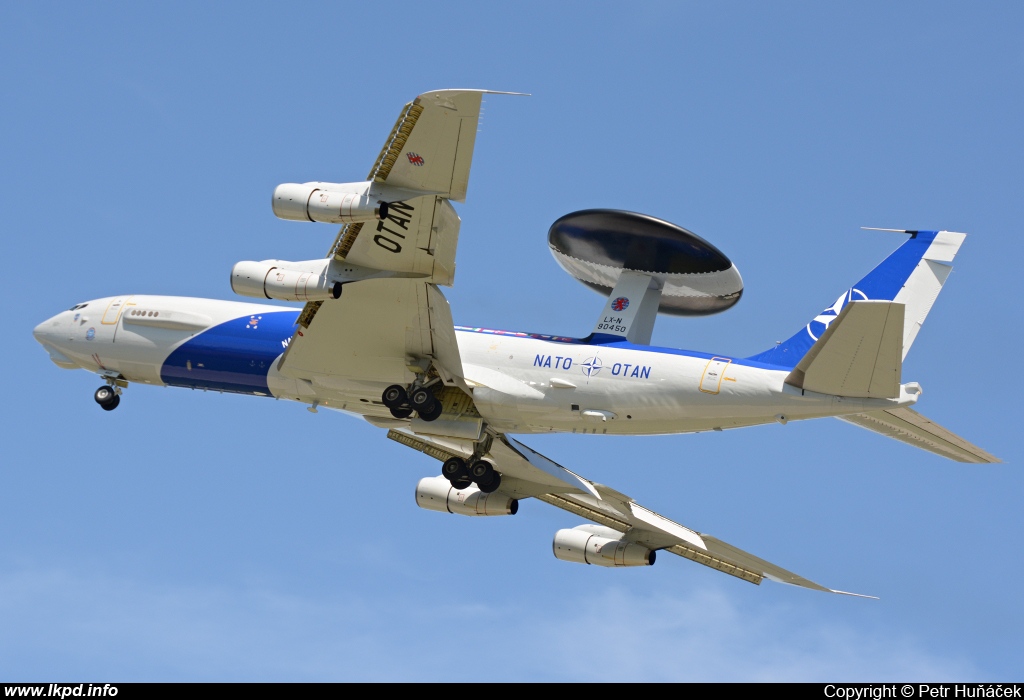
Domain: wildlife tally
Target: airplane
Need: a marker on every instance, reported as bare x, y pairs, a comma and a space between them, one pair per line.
375, 339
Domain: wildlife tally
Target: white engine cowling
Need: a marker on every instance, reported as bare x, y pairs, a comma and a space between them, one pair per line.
596, 544
271, 279
327, 202
436, 493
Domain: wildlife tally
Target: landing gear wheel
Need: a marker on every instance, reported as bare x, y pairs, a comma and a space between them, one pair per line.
484, 475
422, 400
462, 484
107, 398
481, 470
492, 485
455, 469
403, 412
394, 397
433, 413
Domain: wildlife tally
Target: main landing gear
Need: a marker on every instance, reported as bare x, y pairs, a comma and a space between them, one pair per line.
107, 397
402, 403
462, 474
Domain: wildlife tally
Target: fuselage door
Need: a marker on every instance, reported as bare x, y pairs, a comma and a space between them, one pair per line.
714, 372
113, 311
108, 324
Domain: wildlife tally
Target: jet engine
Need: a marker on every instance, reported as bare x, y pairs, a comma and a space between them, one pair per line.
596, 544
327, 202
273, 279
436, 493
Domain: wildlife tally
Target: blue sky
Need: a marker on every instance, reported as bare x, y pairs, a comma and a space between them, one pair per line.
191, 536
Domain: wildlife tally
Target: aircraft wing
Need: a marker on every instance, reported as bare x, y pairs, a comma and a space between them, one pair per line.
383, 331
526, 473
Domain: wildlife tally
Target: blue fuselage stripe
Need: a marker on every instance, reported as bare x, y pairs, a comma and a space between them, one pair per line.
234, 356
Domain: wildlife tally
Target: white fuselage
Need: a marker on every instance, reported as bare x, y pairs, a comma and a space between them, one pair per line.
520, 382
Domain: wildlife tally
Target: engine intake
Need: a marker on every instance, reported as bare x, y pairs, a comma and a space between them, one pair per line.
327, 202
272, 279
436, 493
596, 544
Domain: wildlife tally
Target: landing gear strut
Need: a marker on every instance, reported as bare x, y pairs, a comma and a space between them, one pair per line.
107, 398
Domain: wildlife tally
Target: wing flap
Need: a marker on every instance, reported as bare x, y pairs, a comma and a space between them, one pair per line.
909, 426
859, 355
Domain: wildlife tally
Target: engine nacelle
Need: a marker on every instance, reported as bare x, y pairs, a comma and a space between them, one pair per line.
436, 493
272, 279
327, 202
596, 544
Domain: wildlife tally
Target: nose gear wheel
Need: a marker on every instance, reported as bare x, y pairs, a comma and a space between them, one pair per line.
107, 398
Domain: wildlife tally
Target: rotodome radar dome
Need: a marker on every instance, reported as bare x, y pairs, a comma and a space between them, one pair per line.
596, 245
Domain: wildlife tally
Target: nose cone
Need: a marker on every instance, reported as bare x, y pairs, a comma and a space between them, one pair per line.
49, 335
53, 329
44, 330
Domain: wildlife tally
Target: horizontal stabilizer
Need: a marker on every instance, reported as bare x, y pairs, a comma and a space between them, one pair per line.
911, 427
860, 354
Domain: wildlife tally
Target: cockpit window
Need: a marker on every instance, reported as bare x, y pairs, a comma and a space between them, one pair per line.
76, 307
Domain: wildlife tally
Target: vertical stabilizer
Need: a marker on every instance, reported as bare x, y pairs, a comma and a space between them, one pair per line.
912, 275
925, 282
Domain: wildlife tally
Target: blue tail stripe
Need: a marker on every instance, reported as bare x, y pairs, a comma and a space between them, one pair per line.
884, 282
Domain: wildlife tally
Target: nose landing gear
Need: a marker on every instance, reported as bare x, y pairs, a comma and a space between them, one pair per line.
107, 397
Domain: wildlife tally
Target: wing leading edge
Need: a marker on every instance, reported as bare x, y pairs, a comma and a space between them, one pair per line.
526, 473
